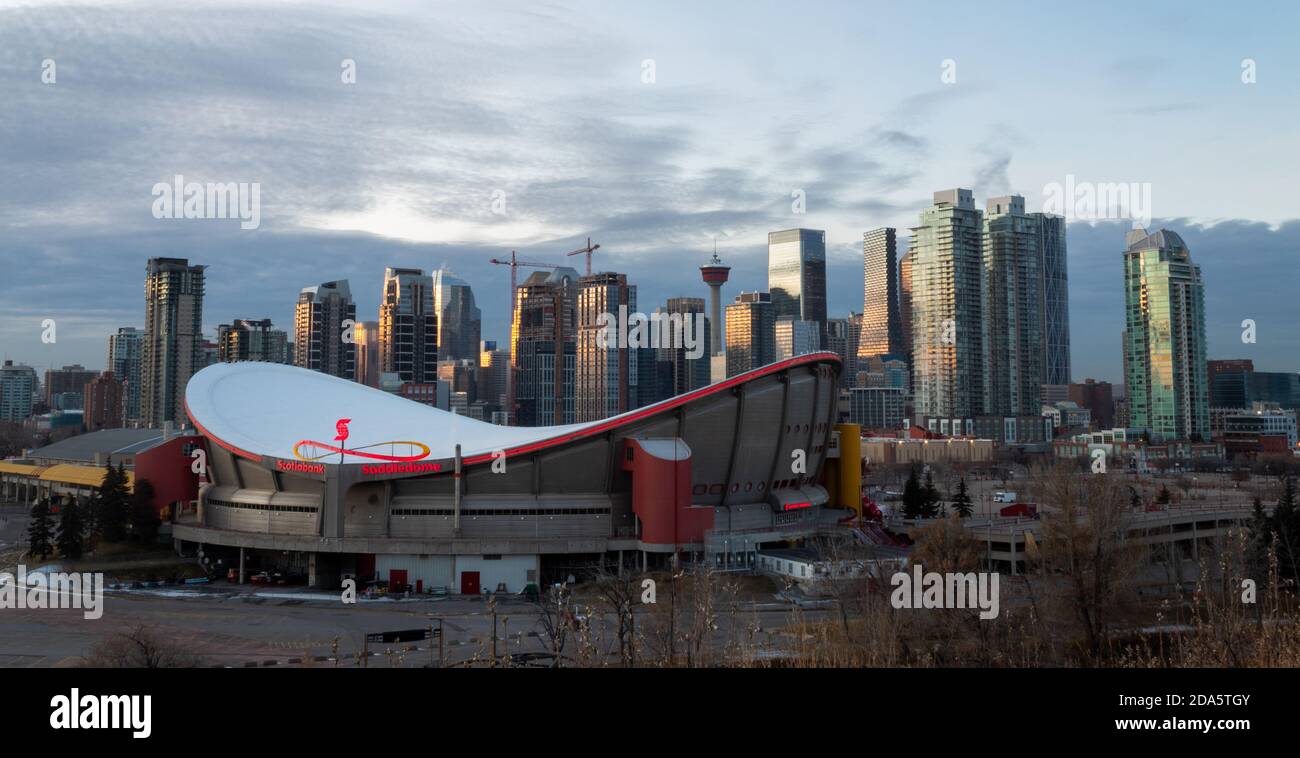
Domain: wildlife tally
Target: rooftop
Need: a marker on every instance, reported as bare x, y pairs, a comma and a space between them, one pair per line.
105, 444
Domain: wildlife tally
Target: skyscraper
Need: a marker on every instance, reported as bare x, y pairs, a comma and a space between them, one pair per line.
542, 349
459, 320
842, 339
323, 315
408, 326
751, 332
905, 302
947, 346
252, 340
685, 373
882, 326
796, 275
606, 371
1165, 338
1056, 298
366, 339
124, 350
173, 338
794, 337
1012, 309
493, 368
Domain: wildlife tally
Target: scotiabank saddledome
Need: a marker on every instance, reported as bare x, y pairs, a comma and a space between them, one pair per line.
329, 478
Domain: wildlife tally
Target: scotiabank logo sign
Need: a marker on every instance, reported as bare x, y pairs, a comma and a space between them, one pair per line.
368, 469
298, 467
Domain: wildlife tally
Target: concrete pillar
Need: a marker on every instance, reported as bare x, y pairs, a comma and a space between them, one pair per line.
311, 570
1013, 550
241, 565
620, 562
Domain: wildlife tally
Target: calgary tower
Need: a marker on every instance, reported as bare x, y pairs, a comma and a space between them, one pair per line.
715, 275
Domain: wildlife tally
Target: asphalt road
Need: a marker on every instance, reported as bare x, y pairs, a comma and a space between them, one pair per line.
241, 627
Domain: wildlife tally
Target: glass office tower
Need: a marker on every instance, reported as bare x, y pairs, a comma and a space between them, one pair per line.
796, 276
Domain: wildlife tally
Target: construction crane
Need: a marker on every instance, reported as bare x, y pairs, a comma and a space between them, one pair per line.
514, 263
588, 250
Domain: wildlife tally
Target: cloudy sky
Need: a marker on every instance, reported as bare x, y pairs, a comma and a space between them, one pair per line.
656, 128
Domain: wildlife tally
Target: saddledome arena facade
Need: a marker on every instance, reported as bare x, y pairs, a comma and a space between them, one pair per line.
320, 476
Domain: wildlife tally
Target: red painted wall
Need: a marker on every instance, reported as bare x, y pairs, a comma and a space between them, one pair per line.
661, 498
167, 468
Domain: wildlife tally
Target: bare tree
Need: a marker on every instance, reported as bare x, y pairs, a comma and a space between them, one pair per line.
140, 648
620, 594
1085, 542
556, 619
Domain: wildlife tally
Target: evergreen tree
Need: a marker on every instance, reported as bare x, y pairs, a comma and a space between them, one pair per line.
1286, 525
40, 530
930, 498
913, 499
144, 519
1164, 497
1261, 539
961, 501
113, 511
71, 530
1135, 499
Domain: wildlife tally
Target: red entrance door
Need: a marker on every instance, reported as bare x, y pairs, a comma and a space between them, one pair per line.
397, 580
469, 583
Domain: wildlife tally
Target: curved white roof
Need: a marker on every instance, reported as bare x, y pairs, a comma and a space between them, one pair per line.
270, 408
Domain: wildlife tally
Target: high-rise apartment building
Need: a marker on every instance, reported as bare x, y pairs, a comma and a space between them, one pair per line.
905, 302
124, 349
325, 328
1167, 378
882, 325
751, 332
542, 351
1056, 298
1012, 309
408, 326
252, 340
67, 380
459, 319
946, 254
606, 373
796, 275
104, 403
173, 338
17, 390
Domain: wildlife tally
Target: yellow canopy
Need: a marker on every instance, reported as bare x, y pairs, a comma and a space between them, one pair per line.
90, 476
